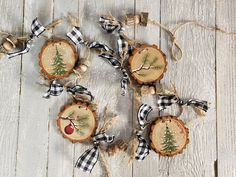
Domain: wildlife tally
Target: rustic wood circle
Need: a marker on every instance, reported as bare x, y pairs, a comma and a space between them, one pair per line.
179, 131
48, 52
79, 109
155, 59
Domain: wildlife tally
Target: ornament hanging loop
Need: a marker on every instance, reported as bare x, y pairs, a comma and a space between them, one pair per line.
176, 51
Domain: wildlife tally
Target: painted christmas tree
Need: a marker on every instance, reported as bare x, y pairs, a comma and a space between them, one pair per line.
169, 141
58, 65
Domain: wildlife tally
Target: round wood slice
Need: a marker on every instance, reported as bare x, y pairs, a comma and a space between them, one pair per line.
82, 124
168, 135
57, 58
147, 64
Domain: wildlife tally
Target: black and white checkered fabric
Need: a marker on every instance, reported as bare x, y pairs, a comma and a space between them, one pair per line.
55, 89
143, 146
123, 47
103, 138
105, 52
111, 59
163, 101
143, 149
76, 36
36, 29
124, 82
89, 158
100, 47
79, 90
116, 64
110, 24
143, 112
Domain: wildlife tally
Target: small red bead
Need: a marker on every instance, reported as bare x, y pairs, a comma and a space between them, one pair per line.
69, 129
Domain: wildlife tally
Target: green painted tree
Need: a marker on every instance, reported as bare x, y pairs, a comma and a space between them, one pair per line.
58, 65
169, 141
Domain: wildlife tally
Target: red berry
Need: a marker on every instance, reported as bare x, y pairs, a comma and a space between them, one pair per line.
69, 129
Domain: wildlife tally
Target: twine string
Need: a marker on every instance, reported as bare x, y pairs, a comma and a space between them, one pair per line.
176, 50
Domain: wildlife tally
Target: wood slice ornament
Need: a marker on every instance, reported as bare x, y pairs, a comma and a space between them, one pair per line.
57, 58
77, 122
147, 64
168, 136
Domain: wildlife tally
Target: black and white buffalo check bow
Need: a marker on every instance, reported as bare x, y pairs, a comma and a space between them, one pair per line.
124, 48
89, 158
56, 88
105, 52
80, 90
143, 146
36, 30
163, 101
76, 37
110, 24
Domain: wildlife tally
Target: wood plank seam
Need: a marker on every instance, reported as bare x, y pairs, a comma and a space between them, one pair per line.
19, 106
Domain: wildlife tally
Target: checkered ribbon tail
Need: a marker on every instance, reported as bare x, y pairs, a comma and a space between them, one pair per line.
106, 52
36, 30
143, 149
143, 146
143, 112
124, 48
55, 89
100, 47
110, 24
89, 158
76, 36
164, 101
78, 90
117, 65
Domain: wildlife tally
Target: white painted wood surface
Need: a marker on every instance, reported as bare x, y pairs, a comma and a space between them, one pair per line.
30, 143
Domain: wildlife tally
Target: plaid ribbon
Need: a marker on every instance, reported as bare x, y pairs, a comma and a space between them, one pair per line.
36, 30
110, 24
163, 101
143, 112
77, 38
143, 146
117, 65
124, 48
106, 52
143, 149
79, 90
56, 88
89, 158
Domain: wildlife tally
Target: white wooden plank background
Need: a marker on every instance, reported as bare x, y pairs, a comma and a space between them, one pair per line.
30, 144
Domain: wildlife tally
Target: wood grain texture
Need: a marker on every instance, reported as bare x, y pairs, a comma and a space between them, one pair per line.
30, 143
10, 78
60, 150
104, 81
194, 77
226, 87
149, 35
32, 154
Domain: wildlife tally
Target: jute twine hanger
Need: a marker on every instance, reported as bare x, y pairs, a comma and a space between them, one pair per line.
176, 50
